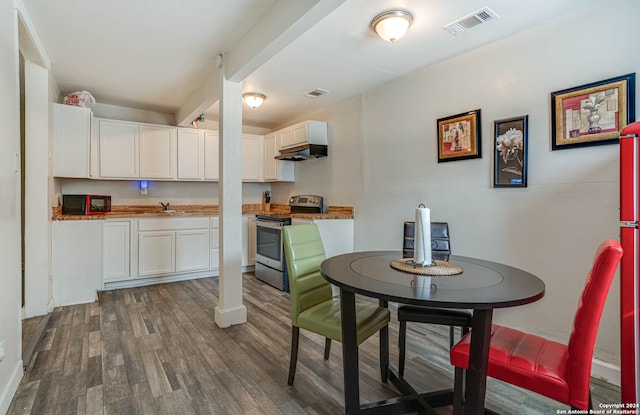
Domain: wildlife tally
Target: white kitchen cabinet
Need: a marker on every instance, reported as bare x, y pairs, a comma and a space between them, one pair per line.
116, 250
129, 150
76, 261
71, 141
171, 245
248, 240
215, 243
309, 131
157, 152
276, 170
118, 149
302, 133
190, 154
192, 250
156, 253
252, 158
284, 137
211, 161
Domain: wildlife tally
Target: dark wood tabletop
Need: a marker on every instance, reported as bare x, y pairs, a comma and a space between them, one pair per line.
482, 284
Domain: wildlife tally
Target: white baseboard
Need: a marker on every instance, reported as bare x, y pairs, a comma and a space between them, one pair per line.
608, 372
12, 387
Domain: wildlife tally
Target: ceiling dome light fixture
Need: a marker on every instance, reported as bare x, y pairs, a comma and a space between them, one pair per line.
253, 99
392, 25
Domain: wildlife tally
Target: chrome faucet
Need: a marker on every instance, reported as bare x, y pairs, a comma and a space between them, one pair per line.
165, 206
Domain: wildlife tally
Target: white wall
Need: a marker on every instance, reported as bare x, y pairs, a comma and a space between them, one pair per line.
11, 366
383, 161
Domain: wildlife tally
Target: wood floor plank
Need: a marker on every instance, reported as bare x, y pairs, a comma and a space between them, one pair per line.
157, 350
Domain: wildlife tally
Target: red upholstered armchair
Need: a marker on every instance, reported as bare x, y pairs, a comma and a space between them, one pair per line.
558, 371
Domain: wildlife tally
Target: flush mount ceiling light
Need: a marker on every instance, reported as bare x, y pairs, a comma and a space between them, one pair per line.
253, 99
392, 25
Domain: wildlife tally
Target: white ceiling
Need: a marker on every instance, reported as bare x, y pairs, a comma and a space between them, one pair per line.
160, 54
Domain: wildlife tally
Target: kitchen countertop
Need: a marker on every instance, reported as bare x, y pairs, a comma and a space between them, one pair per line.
149, 211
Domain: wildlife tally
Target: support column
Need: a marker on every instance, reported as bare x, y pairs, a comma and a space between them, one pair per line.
230, 309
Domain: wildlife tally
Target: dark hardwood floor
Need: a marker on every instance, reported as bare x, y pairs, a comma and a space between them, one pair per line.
157, 350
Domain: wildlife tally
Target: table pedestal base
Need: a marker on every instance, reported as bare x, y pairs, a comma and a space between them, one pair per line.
412, 401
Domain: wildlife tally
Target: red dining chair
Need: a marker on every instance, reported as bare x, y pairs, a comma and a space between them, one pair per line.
555, 370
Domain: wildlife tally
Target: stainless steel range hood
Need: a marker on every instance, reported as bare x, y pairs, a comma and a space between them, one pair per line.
303, 152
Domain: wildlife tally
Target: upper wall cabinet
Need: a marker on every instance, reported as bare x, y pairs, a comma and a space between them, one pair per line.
131, 150
276, 170
211, 152
118, 149
284, 137
252, 158
71, 138
302, 133
190, 154
197, 154
157, 152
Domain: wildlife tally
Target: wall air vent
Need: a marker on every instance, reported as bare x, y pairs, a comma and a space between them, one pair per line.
468, 22
316, 93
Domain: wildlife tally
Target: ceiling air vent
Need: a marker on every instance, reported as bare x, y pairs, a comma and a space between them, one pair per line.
316, 93
468, 22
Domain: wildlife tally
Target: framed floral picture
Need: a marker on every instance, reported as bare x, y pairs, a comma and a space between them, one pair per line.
510, 152
592, 114
459, 137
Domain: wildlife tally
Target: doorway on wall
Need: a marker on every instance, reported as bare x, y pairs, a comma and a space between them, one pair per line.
34, 84
22, 170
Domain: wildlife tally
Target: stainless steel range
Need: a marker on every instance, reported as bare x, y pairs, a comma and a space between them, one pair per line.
271, 266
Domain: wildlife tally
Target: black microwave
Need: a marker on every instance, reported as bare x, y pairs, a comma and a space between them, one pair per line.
86, 204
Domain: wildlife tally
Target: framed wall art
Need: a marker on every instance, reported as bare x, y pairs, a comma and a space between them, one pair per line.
592, 114
459, 137
510, 152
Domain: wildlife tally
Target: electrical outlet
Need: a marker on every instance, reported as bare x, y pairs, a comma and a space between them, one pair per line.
1, 351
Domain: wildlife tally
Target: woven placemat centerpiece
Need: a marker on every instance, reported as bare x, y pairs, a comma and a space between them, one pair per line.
438, 269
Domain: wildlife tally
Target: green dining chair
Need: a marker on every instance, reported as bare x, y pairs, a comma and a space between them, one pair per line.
314, 308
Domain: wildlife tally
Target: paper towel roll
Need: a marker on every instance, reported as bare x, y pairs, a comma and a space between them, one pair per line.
422, 241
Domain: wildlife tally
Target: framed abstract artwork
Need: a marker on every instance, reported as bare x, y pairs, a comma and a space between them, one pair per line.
459, 137
592, 114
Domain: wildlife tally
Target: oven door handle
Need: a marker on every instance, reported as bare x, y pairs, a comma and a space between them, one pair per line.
269, 224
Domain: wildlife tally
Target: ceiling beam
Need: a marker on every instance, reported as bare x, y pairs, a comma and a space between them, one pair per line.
281, 25
200, 100
276, 29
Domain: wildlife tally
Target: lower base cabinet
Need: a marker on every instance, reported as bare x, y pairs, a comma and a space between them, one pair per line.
192, 250
92, 255
170, 245
156, 253
76, 261
116, 250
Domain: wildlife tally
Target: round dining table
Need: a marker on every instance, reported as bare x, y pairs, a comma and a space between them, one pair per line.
482, 287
